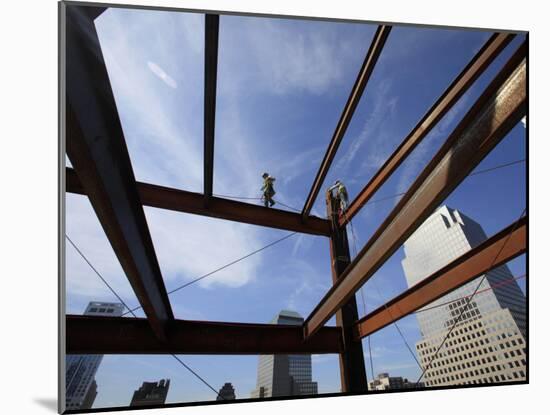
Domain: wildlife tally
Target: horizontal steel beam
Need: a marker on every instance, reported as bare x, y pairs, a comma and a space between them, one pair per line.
495, 251
439, 109
120, 335
211, 28
189, 202
369, 63
495, 113
98, 152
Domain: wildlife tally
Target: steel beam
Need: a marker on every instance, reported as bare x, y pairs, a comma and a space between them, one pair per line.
495, 251
189, 202
439, 109
369, 63
97, 150
120, 335
494, 114
94, 12
353, 376
211, 26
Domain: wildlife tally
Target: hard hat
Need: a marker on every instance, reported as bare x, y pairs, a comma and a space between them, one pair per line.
265, 175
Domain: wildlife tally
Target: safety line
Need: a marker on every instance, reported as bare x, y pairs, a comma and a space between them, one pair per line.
385, 306
364, 306
490, 169
463, 310
255, 198
500, 284
222, 267
131, 311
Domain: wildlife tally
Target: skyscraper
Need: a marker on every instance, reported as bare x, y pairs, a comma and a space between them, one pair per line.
81, 388
226, 393
151, 393
284, 375
488, 344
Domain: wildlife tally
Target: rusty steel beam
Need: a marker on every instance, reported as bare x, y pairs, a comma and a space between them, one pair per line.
353, 376
211, 29
120, 335
189, 202
495, 251
94, 12
495, 113
98, 152
369, 63
439, 109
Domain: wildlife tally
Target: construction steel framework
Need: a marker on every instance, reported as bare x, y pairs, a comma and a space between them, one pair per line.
103, 172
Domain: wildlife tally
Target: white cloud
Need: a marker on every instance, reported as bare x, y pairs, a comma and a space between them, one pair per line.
286, 56
84, 229
158, 71
163, 150
317, 359
165, 140
189, 246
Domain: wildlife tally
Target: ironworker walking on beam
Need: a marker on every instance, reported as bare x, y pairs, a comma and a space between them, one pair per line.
268, 190
339, 191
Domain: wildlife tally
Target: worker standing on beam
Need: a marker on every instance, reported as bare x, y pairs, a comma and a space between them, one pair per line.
339, 191
268, 190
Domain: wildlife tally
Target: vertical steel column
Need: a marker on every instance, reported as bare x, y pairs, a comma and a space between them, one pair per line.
353, 376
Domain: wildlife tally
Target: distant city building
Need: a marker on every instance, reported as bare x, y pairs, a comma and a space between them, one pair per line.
285, 375
151, 393
90, 396
488, 344
81, 389
226, 393
384, 382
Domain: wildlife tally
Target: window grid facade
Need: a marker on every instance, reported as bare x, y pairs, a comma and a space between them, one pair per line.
81, 369
488, 344
285, 375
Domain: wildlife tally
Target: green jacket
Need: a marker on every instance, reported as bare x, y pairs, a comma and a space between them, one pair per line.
268, 185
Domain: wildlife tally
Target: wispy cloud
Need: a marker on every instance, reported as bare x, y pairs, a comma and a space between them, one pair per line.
165, 147
289, 56
421, 154
158, 71
373, 136
307, 284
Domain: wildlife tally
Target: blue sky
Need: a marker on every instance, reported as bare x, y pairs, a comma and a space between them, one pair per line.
281, 87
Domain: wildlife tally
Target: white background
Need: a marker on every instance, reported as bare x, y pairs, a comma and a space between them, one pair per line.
28, 208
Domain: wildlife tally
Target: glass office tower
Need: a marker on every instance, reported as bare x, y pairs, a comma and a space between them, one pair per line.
285, 375
488, 344
81, 388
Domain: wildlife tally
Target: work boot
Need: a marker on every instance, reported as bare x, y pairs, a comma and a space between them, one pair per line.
271, 203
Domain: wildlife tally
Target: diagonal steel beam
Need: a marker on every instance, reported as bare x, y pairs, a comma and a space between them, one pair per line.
454, 92
494, 114
120, 335
93, 12
210, 77
369, 63
189, 202
495, 251
97, 150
